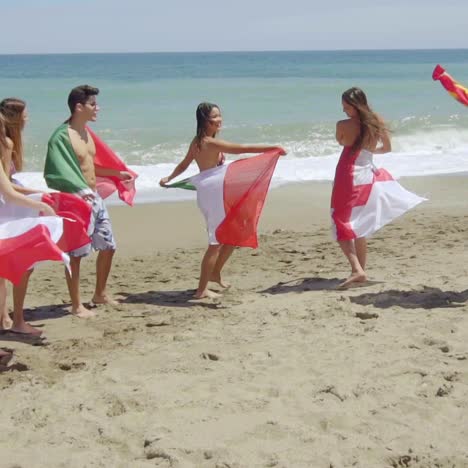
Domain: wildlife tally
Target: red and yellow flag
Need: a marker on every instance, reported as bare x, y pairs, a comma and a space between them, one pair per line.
459, 92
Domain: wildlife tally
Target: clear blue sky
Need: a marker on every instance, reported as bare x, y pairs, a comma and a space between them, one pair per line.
68, 26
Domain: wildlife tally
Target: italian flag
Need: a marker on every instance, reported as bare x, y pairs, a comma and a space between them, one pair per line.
455, 89
27, 238
62, 169
231, 197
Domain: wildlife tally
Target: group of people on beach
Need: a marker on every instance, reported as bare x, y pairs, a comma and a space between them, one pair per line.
364, 198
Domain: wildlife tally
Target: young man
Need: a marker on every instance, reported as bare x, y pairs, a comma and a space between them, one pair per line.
71, 167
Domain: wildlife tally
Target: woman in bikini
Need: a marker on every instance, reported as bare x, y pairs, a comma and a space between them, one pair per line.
208, 152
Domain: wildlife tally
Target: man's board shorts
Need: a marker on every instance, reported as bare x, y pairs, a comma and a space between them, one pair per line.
100, 230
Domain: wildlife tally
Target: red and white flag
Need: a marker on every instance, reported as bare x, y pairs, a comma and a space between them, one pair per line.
231, 197
27, 238
365, 198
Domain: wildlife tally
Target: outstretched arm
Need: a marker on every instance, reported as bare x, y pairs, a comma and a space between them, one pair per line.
181, 167
235, 148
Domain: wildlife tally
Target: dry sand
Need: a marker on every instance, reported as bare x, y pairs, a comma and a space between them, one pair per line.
283, 371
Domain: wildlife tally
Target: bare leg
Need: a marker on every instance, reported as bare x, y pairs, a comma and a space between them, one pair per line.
208, 263
224, 253
358, 274
73, 283
103, 267
5, 320
361, 251
5, 356
19, 293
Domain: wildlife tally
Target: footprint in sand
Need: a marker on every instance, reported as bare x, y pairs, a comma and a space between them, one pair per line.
451, 376
160, 457
209, 356
163, 323
444, 390
366, 315
69, 366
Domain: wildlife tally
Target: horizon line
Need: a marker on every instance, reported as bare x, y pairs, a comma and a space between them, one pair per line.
232, 51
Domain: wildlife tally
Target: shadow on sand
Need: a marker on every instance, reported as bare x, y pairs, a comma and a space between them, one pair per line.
47, 312
304, 284
36, 314
10, 337
168, 299
426, 298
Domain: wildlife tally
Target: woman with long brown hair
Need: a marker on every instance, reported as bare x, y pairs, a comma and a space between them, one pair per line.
208, 152
15, 116
9, 195
364, 198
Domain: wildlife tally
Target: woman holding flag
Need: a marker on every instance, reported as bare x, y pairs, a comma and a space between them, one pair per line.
229, 196
8, 195
15, 117
364, 198
32, 238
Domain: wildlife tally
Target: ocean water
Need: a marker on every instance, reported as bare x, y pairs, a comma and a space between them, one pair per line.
148, 104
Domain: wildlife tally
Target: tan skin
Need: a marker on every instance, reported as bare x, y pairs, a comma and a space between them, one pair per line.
347, 131
12, 196
207, 156
84, 147
7, 158
19, 291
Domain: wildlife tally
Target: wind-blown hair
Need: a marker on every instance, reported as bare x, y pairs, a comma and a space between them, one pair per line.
12, 110
80, 95
203, 116
372, 128
3, 143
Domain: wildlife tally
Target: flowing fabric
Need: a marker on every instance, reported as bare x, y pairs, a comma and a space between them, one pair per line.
62, 169
365, 198
455, 89
231, 198
27, 238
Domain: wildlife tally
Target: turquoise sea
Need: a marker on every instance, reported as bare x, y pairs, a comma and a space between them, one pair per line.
148, 104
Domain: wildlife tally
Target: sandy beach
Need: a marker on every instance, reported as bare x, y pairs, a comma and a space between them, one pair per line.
282, 371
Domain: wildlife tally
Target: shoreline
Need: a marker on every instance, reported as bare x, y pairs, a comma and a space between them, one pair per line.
149, 192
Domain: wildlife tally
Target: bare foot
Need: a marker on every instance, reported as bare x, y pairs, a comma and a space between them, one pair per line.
26, 329
5, 322
353, 279
206, 293
82, 312
217, 279
99, 300
5, 357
